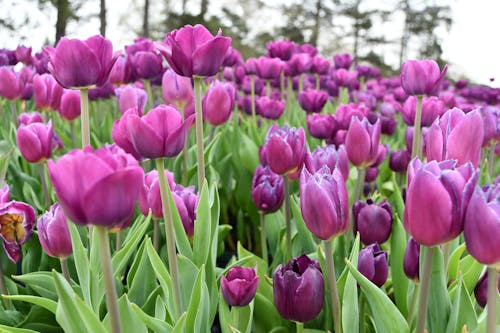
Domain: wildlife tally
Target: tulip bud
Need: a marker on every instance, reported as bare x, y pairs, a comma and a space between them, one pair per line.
267, 189
312, 100
320, 65
481, 289
35, 141
177, 90
412, 259
362, 142
298, 64
269, 108
421, 77
131, 97
282, 49
372, 221
330, 157
10, 86
53, 233
218, 103
285, 149
239, 285
399, 160
186, 201
432, 108
372, 263
299, 289
149, 196
26, 118
321, 126
269, 68
342, 60
324, 202
47, 92
70, 105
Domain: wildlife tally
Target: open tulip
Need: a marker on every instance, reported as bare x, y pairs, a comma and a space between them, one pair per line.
239, 285
17, 220
269, 108
321, 126
53, 233
421, 77
342, 60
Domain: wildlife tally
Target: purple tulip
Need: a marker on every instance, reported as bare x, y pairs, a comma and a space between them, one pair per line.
17, 220
372, 221
149, 197
346, 112
47, 92
129, 97
491, 124
269, 108
27, 118
432, 108
482, 224
103, 92
285, 149
53, 233
312, 100
437, 199
362, 142
324, 202
367, 71
298, 64
412, 259
342, 60
144, 60
481, 290
299, 289
177, 90
320, 65
218, 102
79, 63
345, 78
194, 51
421, 77
321, 126
372, 263
269, 68
186, 201
282, 49
232, 58
160, 133
239, 285
399, 160
122, 71
330, 157
456, 135
267, 189
23, 54
10, 86
97, 187
35, 141
70, 107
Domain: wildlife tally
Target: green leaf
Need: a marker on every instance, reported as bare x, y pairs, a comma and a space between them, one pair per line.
386, 315
41, 282
130, 322
40, 301
7, 329
141, 277
248, 153
350, 307
180, 325
202, 228
304, 236
154, 324
187, 277
439, 304
462, 311
81, 263
266, 317
471, 271
453, 262
224, 314
192, 319
399, 279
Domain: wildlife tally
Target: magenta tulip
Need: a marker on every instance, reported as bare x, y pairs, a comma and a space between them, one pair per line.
218, 103
267, 189
17, 220
421, 77
131, 97
53, 233
285, 149
362, 142
35, 141
239, 285
177, 90
47, 92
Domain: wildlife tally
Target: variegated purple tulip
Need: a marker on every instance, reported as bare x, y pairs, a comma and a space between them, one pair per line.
362, 142
421, 77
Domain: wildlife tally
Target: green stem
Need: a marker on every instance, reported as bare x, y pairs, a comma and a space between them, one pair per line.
491, 162
147, 86
268, 88
185, 154
169, 232
43, 180
300, 327
318, 82
360, 182
344, 95
156, 234
13, 109
109, 281
416, 150
301, 83
282, 84
425, 279
362, 302
72, 133
288, 234
289, 92
411, 311
252, 96
332, 286
65, 269
199, 131
118, 240
446, 255
3, 289
263, 238
85, 117
492, 299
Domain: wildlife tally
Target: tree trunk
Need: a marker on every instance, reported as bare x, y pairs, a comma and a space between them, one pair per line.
62, 7
145, 19
405, 36
184, 2
317, 18
203, 8
102, 18
356, 43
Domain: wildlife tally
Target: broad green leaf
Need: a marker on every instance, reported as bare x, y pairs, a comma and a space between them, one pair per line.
224, 314
471, 271
141, 279
81, 263
40, 301
7, 329
399, 279
195, 300
130, 322
462, 311
266, 317
439, 304
154, 324
180, 325
350, 307
202, 228
304, 236
187, 277
453, 262
41, 282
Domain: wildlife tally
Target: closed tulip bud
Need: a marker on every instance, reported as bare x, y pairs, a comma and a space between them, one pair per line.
421, 77
47, 92
160, 133
299, 63
491, 122
27, 118
481, 290
122, 71
239, 285
194, 51
346, 112
411, 260
81, 63
35, 141
432, 108
269, 68
320, 65
372, 221
324, 202
321, 126
482, 225
10, 86
267, 189
285, 149
345, 78
342, 60
186, 201
283, 49
269, 108
399, 160
312, 100
97, 187
218, 103
17, 220
149, 196
330, 157
437, 199
456, 135
299, 289
177, 90
362, 142
372, 263
131, 97
142, 57
70, 107
53, 233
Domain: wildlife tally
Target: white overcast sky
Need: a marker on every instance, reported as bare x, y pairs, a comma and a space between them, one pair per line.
471, 45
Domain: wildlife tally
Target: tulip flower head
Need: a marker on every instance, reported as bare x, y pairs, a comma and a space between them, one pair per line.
267, 189
269, 108
421, 77
321, 126
47, 92
481, 290
285, 149
70, 107
218, 103
312, 100
177, 90
17, 220
411, 260
239, 285
333, 158
131, 97
53, 233
362, 142
35, 141
372, 263
372, 221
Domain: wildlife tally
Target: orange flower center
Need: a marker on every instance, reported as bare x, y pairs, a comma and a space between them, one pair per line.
12, 228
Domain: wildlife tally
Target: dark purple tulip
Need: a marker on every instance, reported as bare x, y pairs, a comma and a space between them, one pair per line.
267, 189
53, 233
324, 202
70, 107
320, 65
321, 126
342, 60
239, 285
482, 224
282, 49
330, 157
194, 51
461, 84
456, 135
285, 149
372, 263
299, 289
372, 221
186, 201
35, 141
345, 78
245, 104
491, 124
97, 187
129, 97
481, 289
232, 58
411, 261
362, 142
371, 174
10, 85
437, 199
7, 57
399, 160
312, 100
27, 118
421, 77
298, 64
269, 108
432, 108
160, 133
218, 102
144, 60
269, 68
103, 92
367, 71
17, 220
79, 63
41, 62
47, 92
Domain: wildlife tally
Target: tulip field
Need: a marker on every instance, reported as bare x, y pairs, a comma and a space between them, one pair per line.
174, 186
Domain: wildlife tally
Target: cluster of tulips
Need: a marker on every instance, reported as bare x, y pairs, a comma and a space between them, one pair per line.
376, 198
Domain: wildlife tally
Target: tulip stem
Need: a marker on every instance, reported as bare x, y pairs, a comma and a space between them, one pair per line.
288, 231
282, 84
301, 83
252, 96
492, 299
156, 234
289, 92
416, 150
13, 109
169, 232
118, 240
263, 240
147, 86
411, 311
300, 327
3, 289
43, 180
318, 82
268, 88
491, 162
199, 131
109, 281
185, 154
425, 279
64, 269
332, 285
359, 184
84, 104
72, 133
343, 95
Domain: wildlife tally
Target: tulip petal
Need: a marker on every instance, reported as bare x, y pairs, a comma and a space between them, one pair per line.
465, 140
29, 144
208, 58
144, 138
